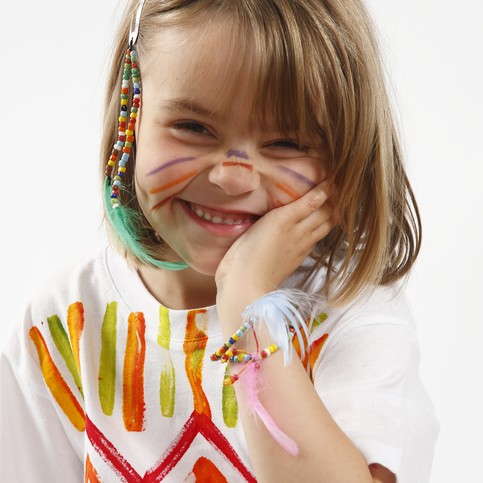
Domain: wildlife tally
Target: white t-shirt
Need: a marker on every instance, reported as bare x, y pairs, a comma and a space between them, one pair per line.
100, 382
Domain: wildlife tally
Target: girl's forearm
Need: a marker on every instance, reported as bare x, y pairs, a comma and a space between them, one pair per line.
326, 454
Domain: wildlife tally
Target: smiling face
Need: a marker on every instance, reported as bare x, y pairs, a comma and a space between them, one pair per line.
205, 170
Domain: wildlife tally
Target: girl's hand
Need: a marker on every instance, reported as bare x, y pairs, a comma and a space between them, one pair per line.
263, 257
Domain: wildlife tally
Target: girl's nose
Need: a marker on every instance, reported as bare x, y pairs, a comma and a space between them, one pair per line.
235, 176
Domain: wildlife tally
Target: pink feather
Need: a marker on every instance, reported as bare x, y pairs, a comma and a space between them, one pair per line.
250, 381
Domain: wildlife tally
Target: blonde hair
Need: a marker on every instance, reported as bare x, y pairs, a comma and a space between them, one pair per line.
318, 63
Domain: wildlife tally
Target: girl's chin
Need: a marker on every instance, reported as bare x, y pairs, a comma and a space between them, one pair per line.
205, 267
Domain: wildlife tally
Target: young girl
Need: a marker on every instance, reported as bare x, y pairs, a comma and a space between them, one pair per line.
248, 323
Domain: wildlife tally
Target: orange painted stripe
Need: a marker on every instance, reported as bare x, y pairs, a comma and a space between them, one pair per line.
315, 349
205, 470
238, 163
298, 348
75, 324
194, 347
133, 405
56, 383
174, 182
90, 475
293, 194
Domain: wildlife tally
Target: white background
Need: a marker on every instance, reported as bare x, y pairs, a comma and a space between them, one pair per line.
53, 66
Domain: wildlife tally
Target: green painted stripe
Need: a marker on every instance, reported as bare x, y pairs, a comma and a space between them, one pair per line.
167, 387
164, 330
167, 378
107, 366
62, 342
318, 320
229, 403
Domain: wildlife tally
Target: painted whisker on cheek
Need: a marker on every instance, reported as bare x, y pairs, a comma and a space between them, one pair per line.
231, 153
173, 182
298, 176
289, 191
160, 204
238, 163
173, 162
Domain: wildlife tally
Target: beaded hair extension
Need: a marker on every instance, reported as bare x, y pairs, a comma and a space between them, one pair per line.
125, 136
125, 220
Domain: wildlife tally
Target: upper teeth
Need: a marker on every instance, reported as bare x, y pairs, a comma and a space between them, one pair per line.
217, 219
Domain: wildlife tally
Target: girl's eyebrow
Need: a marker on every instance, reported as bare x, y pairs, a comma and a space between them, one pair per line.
180, 104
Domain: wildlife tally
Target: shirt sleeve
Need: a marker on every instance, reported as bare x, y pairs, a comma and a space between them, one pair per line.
367, 376
37, 444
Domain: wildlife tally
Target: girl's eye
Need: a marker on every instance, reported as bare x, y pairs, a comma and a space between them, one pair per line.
191, 126
286, 148
288, 144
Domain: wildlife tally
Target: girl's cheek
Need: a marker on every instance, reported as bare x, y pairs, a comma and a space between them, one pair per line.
289, 184
163, 180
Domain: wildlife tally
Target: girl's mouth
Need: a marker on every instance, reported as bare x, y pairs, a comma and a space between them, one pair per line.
221, 218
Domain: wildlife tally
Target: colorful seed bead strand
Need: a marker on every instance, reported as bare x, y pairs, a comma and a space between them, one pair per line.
253, 358
221, 352
237, 356
126, 129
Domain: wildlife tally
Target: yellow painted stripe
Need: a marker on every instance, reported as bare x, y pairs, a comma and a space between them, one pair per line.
107, 365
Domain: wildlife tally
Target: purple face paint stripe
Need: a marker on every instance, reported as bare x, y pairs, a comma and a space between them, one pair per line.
235, 153
171, 163
299, 176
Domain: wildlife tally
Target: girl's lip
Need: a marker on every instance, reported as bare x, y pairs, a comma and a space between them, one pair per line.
224, 223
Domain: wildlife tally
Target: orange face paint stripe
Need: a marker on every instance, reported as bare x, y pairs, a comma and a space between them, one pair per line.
56, 383
239, 164
176, 181
75, 324
161, 203
107, 359
293, 194
133, 405
194, 347
61, 340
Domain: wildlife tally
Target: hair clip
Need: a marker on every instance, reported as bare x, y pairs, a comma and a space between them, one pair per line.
134, 31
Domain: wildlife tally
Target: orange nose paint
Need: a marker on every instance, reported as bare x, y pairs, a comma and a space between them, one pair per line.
238, 163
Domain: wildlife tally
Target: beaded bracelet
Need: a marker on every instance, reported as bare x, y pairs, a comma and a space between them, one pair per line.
284, 313
253, 358
219, 354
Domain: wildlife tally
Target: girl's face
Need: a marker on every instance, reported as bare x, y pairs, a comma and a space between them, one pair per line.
205, 173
